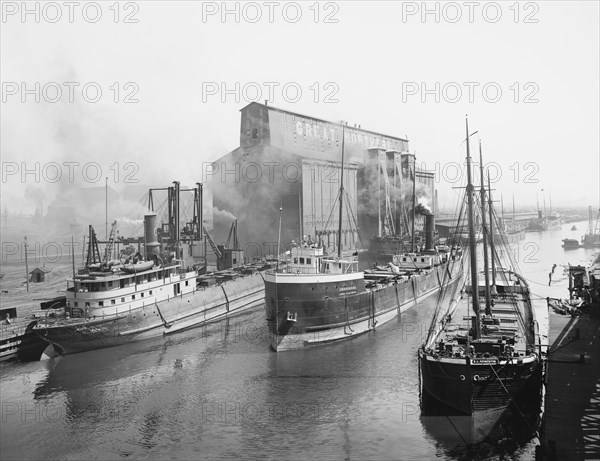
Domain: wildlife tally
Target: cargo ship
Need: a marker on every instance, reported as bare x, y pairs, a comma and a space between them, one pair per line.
543, 221
156, 293
483, 351
314, 298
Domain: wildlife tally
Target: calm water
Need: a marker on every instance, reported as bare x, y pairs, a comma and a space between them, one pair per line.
220, 392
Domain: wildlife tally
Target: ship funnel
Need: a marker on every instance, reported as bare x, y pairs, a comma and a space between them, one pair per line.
150, 235
429, 232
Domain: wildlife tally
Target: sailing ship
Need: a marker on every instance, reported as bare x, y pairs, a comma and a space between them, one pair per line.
156, 293
508, 233
314, 298
482, 352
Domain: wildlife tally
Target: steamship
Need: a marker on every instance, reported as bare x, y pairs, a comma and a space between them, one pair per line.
158, 293
544, 223
482, 352
313, 298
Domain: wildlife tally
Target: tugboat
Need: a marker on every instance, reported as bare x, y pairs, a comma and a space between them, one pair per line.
156, 293
570, 244
314, 298
482, 357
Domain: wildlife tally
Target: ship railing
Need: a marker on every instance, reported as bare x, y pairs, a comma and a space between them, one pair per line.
296, 270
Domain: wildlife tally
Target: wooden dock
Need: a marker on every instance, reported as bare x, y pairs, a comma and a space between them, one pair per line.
571, 426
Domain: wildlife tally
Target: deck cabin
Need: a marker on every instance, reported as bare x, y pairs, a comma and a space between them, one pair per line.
104, 293
310, 260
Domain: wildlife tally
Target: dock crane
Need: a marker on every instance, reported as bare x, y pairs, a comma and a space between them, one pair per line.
226, 257
111, 242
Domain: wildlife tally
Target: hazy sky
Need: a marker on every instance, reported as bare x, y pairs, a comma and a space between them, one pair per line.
527, 74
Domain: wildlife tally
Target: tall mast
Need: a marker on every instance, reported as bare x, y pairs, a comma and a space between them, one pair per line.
279, 239
106, 210
379, 226
472, 248
486, 268
492, 252
414, 199
26, 265
200, 210
342, 198
503, 223
544, 195
514, 217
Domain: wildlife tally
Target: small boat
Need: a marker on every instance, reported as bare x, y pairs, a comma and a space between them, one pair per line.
574, 228
565, 307
570, 244
137, 267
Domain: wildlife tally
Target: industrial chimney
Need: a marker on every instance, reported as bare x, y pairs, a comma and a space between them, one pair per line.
151, 243
429, 232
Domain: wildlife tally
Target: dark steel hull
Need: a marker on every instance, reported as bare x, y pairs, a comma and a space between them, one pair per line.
301, 315
471, 388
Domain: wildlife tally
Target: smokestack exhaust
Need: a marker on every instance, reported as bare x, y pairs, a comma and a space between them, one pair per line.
150, 235
429, 232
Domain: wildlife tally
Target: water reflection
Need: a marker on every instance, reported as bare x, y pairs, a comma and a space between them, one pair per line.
493, 433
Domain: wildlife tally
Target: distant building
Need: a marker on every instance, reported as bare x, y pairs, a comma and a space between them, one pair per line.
293, 161
38, 274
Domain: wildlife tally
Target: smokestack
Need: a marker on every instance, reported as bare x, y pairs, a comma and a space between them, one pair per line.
152, 244
428, 232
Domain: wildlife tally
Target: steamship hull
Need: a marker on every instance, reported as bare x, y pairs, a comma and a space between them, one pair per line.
306, 313
154, 318
472, 388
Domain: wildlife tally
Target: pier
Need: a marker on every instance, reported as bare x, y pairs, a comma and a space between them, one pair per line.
571, 426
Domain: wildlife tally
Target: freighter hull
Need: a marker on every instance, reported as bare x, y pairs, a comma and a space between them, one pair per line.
155, 318
477, 387
301, 315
